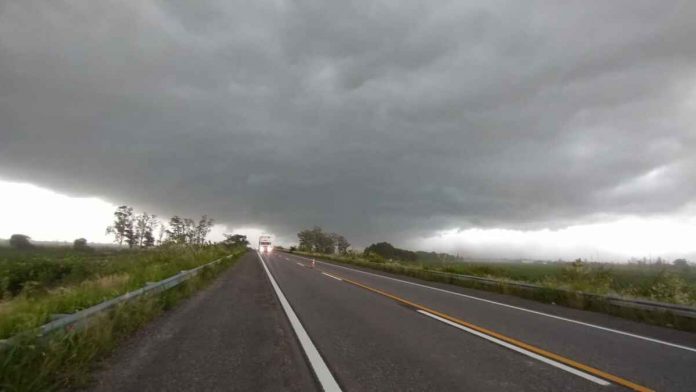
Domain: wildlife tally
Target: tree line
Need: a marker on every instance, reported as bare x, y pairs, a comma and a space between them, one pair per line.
317, 241
145, 230
388, 251
138, 230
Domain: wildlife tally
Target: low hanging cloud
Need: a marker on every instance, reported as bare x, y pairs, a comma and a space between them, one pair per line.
380, 120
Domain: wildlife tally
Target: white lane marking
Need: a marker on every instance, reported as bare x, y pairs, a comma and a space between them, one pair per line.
331, 276
679, 346
520, 350
301, 265
326, 379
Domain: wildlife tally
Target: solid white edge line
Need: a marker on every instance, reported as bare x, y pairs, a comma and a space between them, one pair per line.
331, 276
326, 379
520, 350
658, 341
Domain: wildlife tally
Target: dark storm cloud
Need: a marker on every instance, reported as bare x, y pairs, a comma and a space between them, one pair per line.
375, 119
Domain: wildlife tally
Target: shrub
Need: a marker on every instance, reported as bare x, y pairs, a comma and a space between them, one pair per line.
375, 258
666, 287
581, 276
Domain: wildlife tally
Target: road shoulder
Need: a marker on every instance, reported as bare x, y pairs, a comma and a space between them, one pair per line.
231, 336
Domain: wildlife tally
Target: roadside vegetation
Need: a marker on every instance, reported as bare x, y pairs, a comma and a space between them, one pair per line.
579, 284
39, 283
65, 359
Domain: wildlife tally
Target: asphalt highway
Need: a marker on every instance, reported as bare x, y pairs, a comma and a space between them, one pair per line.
383, 332
280, 321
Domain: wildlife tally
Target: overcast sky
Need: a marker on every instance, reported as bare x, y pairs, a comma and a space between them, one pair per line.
417, 122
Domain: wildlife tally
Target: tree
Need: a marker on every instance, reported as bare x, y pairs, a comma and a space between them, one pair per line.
388, 251
177, 230
325, 243
20, 241
122, 229
81, 244
315, 240
144, 229
235, 240
306, 240
312, 240
681, 263
186, 231
162, 232
202, 229
189, 230
342, 244
149, 240
129, 233
149, 233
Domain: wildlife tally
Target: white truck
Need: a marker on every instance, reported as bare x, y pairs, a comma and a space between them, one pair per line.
265, 244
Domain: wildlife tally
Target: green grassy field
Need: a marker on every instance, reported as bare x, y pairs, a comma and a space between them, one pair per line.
40, 282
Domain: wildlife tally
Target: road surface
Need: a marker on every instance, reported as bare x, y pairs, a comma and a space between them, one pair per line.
377, 332
360, 330
232, 336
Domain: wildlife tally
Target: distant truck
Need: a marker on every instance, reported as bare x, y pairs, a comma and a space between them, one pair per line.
265, 244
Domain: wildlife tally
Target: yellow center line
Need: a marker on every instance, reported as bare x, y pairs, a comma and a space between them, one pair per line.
518, 343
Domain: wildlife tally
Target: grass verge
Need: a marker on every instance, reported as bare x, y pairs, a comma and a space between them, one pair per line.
546, 294
63, 360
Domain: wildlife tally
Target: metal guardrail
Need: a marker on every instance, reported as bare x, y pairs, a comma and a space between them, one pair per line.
63, 321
